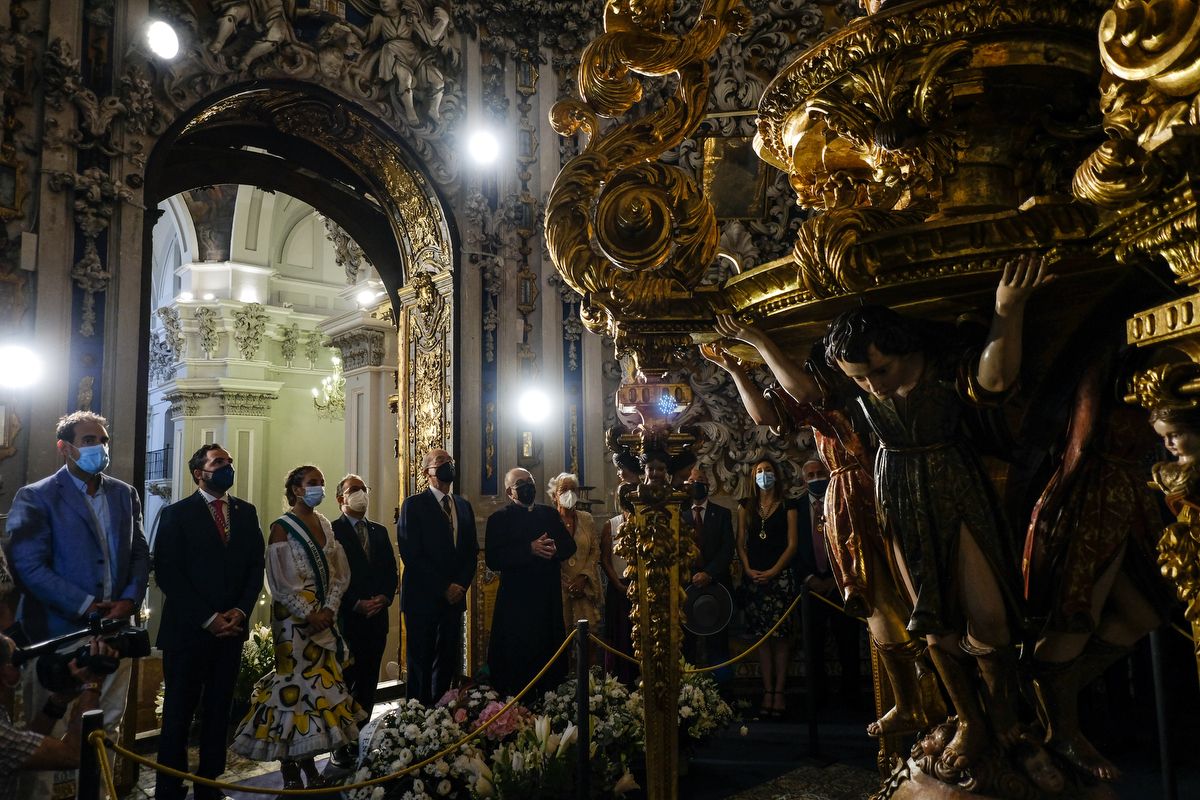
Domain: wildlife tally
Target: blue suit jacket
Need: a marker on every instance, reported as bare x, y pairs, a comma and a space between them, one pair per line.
56, 554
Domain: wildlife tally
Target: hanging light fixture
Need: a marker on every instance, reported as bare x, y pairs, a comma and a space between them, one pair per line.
330, 399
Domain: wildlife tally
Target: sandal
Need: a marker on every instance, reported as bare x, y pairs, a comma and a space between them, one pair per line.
765, 709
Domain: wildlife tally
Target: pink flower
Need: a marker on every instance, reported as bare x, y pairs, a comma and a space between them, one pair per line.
507, 724
460, 715
449, 697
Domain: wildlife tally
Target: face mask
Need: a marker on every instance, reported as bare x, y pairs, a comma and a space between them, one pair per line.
313, 495
817, 486
699, 491
765, 480
445, 473
568, 499
357, 502
221, 479
526, 492
93, 459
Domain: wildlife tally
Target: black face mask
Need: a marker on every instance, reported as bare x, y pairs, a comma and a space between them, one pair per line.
526, 492
699, 492
445, 472
221, 479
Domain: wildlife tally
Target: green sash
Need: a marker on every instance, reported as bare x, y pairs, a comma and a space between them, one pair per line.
319, 564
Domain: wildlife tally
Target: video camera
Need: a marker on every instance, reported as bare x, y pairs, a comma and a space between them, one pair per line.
53, 666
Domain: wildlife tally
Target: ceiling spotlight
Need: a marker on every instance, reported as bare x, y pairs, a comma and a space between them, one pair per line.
209, 296
162, 39
483, 147
186, 297
534, 406
365, 298
249, 295
20, 367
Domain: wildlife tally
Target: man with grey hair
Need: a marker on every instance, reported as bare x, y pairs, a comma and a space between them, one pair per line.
363, 616
439, 548
526, 542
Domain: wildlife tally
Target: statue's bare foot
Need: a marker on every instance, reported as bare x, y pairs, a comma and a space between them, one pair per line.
896, 722
412, 117
1084, 756
964, 749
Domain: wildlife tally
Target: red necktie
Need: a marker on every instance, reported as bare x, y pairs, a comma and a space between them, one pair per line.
218, 507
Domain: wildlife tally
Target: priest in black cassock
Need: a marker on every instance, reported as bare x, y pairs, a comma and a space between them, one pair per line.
525, 542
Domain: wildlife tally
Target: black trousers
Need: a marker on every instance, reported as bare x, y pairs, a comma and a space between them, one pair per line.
366, 639
433, 642
199, 676
847, 635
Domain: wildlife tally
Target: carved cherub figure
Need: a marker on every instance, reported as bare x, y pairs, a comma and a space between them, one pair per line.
406, 47
270, 19
1179, 480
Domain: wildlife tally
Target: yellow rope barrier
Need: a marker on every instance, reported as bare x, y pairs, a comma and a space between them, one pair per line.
753, 647
606, 646
101, 737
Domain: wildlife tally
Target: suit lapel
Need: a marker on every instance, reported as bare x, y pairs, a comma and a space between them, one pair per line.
116, 518
73, 498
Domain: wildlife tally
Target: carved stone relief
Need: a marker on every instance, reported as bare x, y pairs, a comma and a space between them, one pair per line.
249, 325
313, 345
346, 252
289, 344
245, 404
360, 348
186, 404
206, 326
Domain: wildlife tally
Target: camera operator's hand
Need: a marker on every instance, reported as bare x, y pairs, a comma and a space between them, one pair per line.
84, 677
120, 609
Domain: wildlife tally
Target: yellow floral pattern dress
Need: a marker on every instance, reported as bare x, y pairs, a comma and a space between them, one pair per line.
303, 708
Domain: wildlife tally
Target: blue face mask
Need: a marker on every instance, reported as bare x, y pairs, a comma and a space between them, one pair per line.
313, 495
765, 480
221, 479
93, 459
817, 486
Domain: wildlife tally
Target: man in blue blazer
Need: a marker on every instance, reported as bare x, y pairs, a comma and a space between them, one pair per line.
209, 564
77, 548
439, 548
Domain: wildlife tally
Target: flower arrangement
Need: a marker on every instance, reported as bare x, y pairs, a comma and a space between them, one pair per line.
409, 735
617, 732
473, 705
258, 658
702, 711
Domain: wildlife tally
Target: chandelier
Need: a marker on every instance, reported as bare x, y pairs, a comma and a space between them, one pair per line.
330, 398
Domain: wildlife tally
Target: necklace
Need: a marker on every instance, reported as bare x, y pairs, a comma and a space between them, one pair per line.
763, 514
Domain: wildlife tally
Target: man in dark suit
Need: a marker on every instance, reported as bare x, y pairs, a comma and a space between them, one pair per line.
439, 547
208, 562
711, 527
363, 616
77, 549
526, 542
847, 632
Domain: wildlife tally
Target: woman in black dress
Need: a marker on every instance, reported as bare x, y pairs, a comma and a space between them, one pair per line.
766, 543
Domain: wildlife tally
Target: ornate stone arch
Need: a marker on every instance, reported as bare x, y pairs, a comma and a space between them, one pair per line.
315, 145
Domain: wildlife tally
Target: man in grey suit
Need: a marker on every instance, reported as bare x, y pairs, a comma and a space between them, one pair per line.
77, 549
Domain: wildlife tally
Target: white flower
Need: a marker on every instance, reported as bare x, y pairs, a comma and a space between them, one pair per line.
569, 736
626, 783
443, 787
518, 762
483, 787
481, 769
418, 786
744, 731
377, 793
552, 743
405, 756
685, 711
541, 727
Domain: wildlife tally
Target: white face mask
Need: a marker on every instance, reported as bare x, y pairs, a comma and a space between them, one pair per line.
568, 499
357, 502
